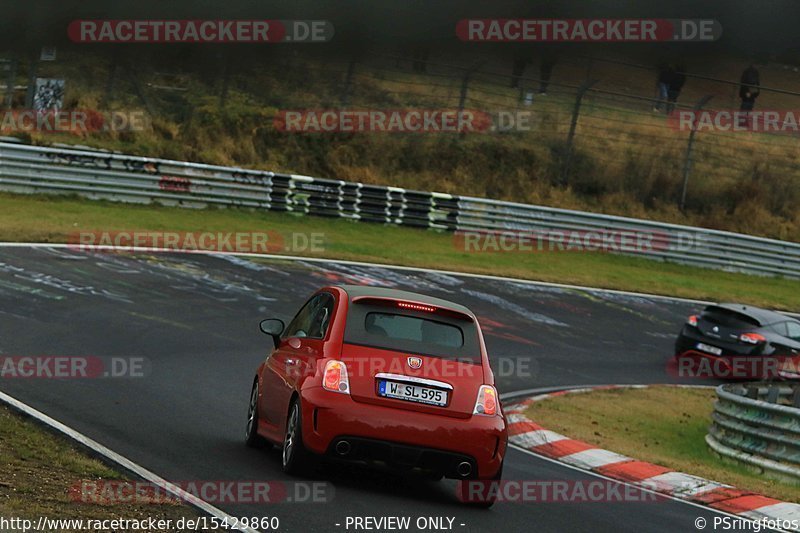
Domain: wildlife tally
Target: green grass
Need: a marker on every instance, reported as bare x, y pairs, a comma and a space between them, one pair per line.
55, 219
661, 425
38, 470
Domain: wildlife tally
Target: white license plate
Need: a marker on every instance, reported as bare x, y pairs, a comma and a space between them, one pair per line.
412, 393
709, 349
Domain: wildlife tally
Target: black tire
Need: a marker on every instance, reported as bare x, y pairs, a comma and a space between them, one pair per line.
251, 436
488, 494
295, 459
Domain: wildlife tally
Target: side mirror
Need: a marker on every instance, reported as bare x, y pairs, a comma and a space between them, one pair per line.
273, 327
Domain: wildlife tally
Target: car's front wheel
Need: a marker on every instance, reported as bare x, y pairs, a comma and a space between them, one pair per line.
295, 459
251, 436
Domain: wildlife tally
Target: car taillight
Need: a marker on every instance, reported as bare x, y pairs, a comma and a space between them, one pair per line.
416, 307
335, 377
692, 321
487, 401
752, 338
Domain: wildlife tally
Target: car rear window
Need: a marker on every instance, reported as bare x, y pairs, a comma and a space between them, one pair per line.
415, 332
728, 319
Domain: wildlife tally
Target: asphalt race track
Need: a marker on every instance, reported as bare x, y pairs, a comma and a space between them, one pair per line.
194, 318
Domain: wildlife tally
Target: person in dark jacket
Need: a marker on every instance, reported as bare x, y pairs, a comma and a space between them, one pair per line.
676, 81
749, 89
665, 71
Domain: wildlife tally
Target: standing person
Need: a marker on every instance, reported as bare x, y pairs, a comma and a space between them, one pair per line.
545, 71
676, 81
749, 89
662, 85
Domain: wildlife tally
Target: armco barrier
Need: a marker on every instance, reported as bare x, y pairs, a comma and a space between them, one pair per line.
759, 425
119, 177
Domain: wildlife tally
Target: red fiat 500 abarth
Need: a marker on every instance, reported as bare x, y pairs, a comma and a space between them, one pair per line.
380, 376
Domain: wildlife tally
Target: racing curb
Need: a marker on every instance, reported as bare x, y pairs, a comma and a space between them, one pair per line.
527, 434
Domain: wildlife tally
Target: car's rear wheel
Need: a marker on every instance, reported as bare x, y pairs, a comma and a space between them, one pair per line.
251, 436
295, 459
481, 493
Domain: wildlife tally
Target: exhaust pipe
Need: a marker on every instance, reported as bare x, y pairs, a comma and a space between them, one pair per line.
343, 447
464, 469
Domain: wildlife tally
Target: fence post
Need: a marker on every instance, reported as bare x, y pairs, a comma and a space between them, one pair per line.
687, 163
576, 110
462, 99
113, 69
33, 70
348, 82
11, 80
226, 81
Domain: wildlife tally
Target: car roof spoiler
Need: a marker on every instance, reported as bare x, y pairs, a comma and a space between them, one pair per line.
412, 305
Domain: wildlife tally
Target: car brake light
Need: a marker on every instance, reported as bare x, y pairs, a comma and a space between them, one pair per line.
487, 401
335, 377
692, 321
752, 338
416, 307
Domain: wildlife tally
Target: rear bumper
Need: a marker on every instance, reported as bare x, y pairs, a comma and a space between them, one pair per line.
402, 438
687, 341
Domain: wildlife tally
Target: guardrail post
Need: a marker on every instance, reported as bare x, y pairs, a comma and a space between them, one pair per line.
687, 164
796, 397
576, 110
772, 393
751, 392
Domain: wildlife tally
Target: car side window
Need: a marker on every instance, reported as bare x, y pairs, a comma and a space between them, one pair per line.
780, 328
793, 330
322, 317
301, 324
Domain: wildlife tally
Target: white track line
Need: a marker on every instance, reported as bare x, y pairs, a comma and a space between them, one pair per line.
124, 462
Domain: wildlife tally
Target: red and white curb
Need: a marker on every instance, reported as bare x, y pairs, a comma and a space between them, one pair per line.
527, 434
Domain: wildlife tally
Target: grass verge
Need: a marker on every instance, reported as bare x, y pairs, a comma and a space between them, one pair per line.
661, 425
57, 219
39, 469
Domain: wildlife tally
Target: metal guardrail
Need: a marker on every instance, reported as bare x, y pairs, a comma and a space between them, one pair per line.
120, 177
758, 425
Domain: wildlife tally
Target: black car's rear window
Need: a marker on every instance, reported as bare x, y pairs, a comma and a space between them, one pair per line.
410, 331
728, 318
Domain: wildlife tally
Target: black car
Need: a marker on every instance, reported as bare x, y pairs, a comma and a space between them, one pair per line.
730, 331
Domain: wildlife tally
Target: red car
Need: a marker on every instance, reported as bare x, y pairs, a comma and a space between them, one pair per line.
384, 377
